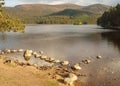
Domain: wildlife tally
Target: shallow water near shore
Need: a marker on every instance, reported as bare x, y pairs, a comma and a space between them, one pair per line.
74, 43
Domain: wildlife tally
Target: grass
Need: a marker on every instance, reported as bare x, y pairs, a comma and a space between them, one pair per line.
51, 83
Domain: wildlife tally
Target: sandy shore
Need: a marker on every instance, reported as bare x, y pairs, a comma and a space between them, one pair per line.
14, 75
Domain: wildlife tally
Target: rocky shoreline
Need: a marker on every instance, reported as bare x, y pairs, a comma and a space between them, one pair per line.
63, 72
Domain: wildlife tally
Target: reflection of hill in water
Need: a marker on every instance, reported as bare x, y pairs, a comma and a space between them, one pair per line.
113, 37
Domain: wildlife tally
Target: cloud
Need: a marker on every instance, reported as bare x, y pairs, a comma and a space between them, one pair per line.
80, 2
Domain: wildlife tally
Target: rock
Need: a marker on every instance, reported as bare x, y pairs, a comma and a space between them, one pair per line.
76, 67
7, 61
99, 57
13, 51
27, 54
51, 59
47, 59
56, 61
65, 63
2, 53
34, 53
37, 56
70, 79
16, 62
21, 63
57, 77
35, 65
41, 52
44, 67
7, 51
87, 61
21, 50
28, 64
43, 57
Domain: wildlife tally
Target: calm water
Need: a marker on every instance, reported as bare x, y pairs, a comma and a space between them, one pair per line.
65, 41
74, 43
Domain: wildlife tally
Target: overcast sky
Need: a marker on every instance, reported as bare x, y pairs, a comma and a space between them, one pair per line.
79, 2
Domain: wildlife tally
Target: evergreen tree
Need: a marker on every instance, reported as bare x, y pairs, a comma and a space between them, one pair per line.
110, 18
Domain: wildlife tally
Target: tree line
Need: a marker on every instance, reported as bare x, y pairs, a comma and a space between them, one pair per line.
62, 19
110, 18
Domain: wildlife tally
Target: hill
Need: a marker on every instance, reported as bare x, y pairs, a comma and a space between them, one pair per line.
34, 13
38, 9
96, 8
71, 12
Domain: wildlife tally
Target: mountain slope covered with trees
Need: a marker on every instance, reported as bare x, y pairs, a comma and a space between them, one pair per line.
64, 13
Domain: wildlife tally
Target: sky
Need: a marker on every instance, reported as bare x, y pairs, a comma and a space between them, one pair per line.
53, 2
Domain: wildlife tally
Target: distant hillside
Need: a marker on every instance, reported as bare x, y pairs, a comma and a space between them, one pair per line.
71, 12
32, 13
32, 10
96, 8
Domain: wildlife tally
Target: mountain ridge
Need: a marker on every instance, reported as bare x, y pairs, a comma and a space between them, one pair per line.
45, 9
33, 12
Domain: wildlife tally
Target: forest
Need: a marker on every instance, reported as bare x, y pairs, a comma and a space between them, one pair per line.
110, 18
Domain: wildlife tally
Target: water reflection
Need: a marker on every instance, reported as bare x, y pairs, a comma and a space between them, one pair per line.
112, 37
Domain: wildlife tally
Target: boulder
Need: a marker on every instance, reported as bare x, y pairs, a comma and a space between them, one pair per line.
70, 79
65, 63
76, 67
27, 54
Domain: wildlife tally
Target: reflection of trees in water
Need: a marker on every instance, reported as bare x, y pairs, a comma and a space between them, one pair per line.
3, 36
113, 37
